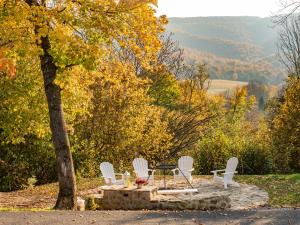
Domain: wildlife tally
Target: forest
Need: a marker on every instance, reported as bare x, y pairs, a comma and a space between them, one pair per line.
84, 82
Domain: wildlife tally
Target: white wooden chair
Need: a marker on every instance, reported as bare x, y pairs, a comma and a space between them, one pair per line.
228, 173
185, 168
109, 174
141, 169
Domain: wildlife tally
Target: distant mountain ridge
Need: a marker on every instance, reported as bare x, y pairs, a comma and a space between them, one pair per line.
245, 40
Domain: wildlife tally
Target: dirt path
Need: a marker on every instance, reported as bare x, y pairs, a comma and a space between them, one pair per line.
257, 217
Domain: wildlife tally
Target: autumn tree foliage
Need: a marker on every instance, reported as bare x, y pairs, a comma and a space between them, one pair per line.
7, 66
283, 110
285, 124
235, 132
122, 124
65, 42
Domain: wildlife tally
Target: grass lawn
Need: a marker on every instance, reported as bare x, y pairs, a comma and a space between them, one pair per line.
284, 191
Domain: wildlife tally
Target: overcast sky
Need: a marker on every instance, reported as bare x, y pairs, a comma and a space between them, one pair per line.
191, 8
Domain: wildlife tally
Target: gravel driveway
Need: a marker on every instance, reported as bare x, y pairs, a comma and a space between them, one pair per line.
270, 216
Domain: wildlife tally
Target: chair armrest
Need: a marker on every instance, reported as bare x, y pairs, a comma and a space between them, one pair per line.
215, 171
174, 170
191, 170
230, 173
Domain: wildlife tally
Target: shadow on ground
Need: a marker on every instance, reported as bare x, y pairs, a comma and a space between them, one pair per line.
271, 216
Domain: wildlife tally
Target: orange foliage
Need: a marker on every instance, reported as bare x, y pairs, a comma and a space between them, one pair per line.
7, 65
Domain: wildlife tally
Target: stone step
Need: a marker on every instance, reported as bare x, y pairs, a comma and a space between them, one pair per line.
177, 191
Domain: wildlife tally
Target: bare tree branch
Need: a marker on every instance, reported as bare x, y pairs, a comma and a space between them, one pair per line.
289, 45
288, 9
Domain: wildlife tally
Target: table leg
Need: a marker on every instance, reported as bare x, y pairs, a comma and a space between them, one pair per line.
165, 179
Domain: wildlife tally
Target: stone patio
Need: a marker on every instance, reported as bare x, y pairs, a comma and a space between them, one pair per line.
210, 196
243, 197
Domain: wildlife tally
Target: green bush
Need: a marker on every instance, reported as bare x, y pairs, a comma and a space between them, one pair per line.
31, 182
255, 160
19, 163
90, 203
212, 153
252, 149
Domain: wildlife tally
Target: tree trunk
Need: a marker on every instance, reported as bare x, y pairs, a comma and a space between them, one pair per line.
66, 177
67, 198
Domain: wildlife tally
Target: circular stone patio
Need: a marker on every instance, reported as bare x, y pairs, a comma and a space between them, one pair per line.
243, 197
211, 195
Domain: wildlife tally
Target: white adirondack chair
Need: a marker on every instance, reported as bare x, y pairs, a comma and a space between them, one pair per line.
141, 169
185, 168
109, 174
228, 173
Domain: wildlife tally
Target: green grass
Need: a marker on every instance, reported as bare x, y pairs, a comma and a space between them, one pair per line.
283, 190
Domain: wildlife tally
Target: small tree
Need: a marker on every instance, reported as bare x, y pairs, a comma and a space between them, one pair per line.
196, 82
56, 37
284, 111
289, 45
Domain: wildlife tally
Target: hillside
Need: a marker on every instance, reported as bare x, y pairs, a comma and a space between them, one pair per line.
238, 48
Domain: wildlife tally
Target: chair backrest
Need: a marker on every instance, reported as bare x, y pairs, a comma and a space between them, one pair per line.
140, 166
185, 163
107, 171
231, 167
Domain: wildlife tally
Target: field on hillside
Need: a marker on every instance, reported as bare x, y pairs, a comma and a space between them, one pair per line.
224, 86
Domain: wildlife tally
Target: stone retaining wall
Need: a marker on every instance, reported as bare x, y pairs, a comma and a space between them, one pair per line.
114, 198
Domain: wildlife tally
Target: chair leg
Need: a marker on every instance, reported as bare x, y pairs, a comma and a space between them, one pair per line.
225, 185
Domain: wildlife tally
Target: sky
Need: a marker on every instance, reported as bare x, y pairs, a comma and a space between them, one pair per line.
193, 8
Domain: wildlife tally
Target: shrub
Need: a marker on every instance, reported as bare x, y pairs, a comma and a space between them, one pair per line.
255, 160
20, 163
90, 203
212, 154
31, 182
